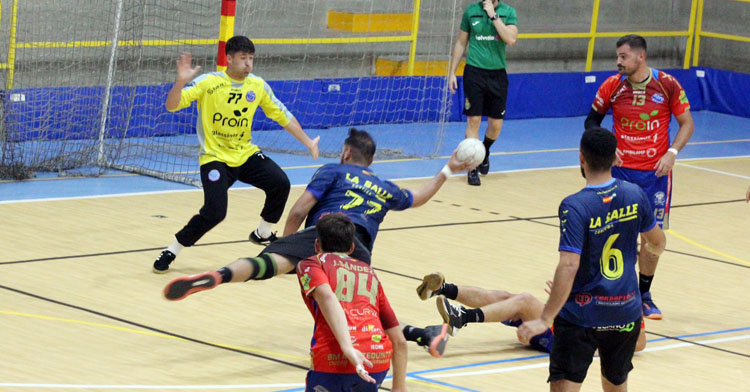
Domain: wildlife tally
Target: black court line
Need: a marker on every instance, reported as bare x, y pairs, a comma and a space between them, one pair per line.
708, 258
707, 203
133, 323
699, 344
532, 220
512, 219
397, 274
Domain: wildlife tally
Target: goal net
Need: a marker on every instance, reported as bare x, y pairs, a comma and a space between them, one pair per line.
85, 81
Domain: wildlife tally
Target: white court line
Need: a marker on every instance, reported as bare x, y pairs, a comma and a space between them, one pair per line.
258, 386
305, 184
546, 363
715, 171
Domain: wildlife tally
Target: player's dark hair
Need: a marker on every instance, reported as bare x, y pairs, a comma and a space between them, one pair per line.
598, 146
335, 233
632, 40
239, 43
362, 146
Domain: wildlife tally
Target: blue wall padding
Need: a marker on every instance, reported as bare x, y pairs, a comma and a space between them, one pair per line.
73, 112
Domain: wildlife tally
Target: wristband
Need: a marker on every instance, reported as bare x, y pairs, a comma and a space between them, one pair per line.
673, 151
446, 171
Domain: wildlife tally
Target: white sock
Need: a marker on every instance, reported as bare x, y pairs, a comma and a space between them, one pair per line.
175, 248
264, 229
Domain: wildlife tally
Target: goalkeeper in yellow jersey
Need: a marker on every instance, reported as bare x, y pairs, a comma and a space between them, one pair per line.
227, 102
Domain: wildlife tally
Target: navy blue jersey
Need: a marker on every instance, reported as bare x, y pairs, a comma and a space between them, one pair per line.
602, 224
356, 192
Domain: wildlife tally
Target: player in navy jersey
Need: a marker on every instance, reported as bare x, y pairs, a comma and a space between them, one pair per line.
595, 288
349, 187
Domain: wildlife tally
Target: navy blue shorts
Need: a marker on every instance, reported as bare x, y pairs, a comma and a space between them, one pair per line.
658, 190
338, 382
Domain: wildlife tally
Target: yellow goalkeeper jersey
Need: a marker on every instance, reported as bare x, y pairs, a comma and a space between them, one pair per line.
225, 114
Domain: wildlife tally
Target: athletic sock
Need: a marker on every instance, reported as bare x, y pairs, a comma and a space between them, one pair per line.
226, 274
644, 282
175, 248
487, 144
414, 334
264, 229
472, 316
449, 290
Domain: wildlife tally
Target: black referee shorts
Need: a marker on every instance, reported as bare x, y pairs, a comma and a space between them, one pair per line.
574, 346
486, 92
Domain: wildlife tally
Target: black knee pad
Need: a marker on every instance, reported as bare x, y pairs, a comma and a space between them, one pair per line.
264, 267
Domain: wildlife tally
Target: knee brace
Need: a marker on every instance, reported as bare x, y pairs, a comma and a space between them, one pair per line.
264, 267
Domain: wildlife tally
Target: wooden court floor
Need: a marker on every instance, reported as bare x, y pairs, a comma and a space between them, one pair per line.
80, 309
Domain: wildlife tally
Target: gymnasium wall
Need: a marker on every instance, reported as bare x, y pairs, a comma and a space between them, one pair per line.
531, 95
89, 20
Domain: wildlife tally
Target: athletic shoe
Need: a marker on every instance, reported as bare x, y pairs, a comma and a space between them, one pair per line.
161, 265
484, 167
186, 285
474, 178
451, 314
430, 284
650, 311
437, 339
258, 240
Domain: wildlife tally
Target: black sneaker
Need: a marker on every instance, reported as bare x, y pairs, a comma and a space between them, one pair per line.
437, 339
451, 314
161, 265
484, 167
430, 284
257, 239
186, 285
474, 178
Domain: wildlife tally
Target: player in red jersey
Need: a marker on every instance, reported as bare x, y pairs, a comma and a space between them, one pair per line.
354, 323
643, 100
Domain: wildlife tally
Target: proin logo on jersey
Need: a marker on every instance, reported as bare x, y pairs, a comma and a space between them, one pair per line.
646, 122
232, 122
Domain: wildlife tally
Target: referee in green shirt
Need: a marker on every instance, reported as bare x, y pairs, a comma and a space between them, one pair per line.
487, 27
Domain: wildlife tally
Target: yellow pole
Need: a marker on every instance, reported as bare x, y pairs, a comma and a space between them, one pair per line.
691, 31
12, 46
698, 29
592, 40
414, 32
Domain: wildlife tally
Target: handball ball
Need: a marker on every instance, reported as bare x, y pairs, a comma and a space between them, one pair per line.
470, 149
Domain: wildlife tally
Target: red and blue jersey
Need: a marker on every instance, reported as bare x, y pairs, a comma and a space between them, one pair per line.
358, 193
641, 113
602, 224
368, 312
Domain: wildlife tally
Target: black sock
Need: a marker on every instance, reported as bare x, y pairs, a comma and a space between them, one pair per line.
413, 334
226, 274
449, 290
644, 282
487, 144
472, 316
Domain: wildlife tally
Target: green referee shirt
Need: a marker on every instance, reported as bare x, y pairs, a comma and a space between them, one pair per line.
486, 48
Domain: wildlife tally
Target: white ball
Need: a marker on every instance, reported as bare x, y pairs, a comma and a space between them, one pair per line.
470, 149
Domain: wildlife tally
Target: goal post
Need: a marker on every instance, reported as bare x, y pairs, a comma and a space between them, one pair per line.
86, 80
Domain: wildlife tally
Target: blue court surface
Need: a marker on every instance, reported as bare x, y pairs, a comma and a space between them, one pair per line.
523, 145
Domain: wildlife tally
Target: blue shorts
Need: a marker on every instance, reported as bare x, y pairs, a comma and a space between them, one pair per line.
658, 190
338, 382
